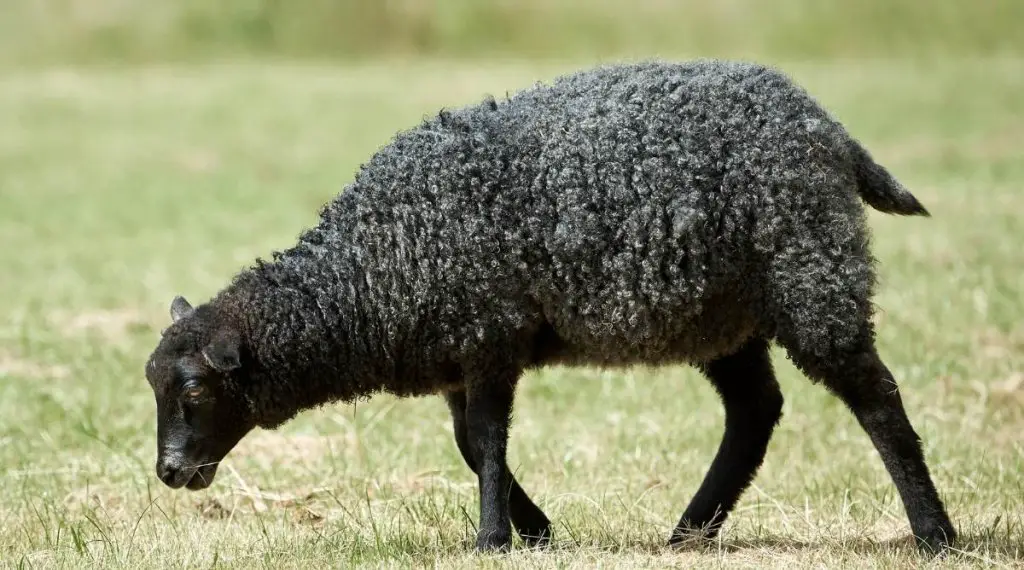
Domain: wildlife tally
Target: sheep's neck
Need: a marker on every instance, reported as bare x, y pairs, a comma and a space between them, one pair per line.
310, 344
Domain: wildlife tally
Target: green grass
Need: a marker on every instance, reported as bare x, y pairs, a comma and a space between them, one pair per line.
120, 30
120, 188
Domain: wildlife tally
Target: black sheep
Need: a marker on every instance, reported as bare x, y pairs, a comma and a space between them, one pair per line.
650, 213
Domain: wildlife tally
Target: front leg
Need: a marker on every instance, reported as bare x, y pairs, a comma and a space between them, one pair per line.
489, 395
529, 521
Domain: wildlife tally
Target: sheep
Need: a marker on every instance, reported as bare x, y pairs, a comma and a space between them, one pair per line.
651, 212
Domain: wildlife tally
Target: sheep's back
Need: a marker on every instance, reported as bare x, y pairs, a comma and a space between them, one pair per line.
623, 206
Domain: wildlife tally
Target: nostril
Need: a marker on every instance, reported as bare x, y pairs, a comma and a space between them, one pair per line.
166, 472
168, 476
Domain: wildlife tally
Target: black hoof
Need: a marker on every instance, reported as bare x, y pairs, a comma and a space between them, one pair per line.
493, 541
937, 541
693, 535
538, 537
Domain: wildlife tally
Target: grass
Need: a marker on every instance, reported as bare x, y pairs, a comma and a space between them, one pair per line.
103, 30
122, 187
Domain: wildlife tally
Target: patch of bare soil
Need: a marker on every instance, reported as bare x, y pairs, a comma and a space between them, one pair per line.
198, 161
104, 498
11, 365
996, 344
1010, 388
212, 509
111, 325
270, 448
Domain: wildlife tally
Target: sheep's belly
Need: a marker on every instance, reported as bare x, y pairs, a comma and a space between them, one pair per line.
720, 328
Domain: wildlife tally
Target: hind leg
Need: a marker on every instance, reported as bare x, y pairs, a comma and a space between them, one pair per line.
858, 377
753, 405
821, 282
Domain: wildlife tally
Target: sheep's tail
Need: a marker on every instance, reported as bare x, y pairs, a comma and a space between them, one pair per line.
880, 190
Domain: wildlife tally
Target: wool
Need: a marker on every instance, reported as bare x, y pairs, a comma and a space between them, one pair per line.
652, 212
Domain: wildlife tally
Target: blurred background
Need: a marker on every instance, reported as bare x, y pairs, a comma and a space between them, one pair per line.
150, 148
62, 31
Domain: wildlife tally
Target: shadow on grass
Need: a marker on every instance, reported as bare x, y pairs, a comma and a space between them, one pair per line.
969, 546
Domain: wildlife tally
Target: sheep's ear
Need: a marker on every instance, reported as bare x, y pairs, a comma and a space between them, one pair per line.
223, 354
180, 308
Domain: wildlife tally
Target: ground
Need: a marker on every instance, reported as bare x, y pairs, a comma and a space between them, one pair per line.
120, 188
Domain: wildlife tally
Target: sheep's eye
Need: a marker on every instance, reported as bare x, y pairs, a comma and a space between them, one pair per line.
195, 392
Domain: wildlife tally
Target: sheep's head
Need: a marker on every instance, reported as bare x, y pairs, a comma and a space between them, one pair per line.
195, 373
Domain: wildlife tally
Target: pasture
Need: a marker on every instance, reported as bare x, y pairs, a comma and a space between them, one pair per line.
123, 186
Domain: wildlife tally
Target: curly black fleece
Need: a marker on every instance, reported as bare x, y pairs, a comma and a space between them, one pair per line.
652, 212
646, 213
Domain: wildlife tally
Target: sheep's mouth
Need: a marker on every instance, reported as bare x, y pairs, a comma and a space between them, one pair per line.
202, 477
